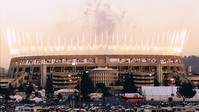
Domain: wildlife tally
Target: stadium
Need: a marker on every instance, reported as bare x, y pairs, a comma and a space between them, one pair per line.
103, 42
106, 56
65, 68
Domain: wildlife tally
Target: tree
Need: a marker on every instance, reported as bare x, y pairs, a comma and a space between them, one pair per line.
29, 90
198, 85
60, 96
11, 89
49, 86
86, 85
156, 82
7, 95
101, 87
118, 83
3, 91
31, 86
129, 86
39, 86
177, 81
186, 90
120, 80
166, 80
7, 92
37, 94
21, 87
0, 88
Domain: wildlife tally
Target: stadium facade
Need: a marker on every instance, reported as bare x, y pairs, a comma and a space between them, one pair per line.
65, 69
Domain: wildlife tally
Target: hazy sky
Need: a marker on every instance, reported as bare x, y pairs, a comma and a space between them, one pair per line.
139, 17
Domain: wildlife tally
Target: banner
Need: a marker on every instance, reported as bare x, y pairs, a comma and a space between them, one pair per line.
58, 61
80, 61
125, 60
114, 60
90, 60
69, 61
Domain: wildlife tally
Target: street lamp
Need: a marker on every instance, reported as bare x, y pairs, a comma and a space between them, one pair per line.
30, 76
79, 80
172, 79
150, 78
69, 79
1, 77
73, 69
73, 63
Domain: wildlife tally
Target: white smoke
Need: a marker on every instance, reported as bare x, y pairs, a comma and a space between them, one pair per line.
96, 28
99, 17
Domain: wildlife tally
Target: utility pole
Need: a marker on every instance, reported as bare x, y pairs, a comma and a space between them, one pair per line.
79, 94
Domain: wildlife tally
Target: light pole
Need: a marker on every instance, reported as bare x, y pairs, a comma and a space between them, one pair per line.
172, 79
30, 76
69, 79
79, 79
73, 64
1, 76
150, 78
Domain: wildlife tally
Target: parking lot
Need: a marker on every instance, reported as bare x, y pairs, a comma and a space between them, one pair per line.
109, 106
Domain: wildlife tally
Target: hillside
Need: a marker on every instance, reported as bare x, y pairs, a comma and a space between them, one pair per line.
193, 61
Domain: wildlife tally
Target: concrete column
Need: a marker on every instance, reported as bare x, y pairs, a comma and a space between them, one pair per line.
94, 77
140, 68
159, 71
43, 75
107, 59
189, 70
96, 60
12, 72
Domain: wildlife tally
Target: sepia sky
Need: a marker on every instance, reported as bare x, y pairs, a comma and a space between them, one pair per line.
141, 18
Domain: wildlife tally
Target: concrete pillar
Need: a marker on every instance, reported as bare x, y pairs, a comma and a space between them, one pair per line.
189, 70
107, 59
159, 72
96, 60
43, 75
